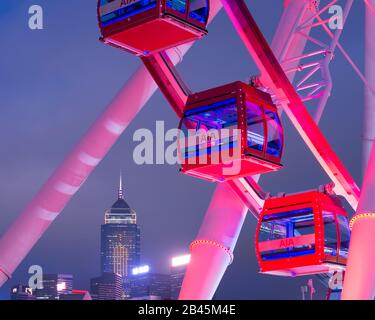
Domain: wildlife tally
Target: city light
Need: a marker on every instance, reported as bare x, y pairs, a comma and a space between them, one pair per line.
140, 270
61, 286
181, 260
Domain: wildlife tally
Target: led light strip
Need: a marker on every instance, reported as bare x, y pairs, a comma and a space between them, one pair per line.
214, 244
360, 216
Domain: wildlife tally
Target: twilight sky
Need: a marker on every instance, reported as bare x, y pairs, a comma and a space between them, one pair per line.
55, 82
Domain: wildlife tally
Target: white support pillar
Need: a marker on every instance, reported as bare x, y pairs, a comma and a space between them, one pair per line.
359, 283
369, 112
211, 253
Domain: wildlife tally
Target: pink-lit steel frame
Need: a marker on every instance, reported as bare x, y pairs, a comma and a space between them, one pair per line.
359, 283
220, 229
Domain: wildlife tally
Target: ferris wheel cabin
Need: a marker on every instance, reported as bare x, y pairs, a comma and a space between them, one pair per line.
302, 234
147, 26
230, 132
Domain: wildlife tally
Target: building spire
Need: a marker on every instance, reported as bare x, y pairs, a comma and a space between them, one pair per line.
120, 192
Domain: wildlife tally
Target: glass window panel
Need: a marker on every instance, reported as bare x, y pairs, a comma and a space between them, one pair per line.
112, 11
344, 236
279, 231
304, 226
255, 127
178, 5
209, 124
274, 134
188, 143
265, 233
330, 234
288, 225
199, 10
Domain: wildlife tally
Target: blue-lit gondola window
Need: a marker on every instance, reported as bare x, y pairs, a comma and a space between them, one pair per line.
187, 140
209, 122
274, 134
199, 10
288, 225
255, 127
344, 236
330, 234
177, 5
272, 231
112, 11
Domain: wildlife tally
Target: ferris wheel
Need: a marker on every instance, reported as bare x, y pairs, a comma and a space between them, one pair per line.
231, 135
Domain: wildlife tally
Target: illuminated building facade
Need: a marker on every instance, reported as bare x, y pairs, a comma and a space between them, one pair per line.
149, 285
120, 238
20, 292
178, 269
109, 286
76, 295
55, 285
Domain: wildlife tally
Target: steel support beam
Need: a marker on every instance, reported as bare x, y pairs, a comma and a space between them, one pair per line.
274, 77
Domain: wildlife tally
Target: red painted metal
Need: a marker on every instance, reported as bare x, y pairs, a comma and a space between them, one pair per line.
155, 29
317, 262
248, 161
168, 80
286, 243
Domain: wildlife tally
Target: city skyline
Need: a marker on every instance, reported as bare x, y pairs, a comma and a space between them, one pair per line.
120, 256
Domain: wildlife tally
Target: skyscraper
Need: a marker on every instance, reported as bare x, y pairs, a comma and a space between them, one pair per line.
178, 270
55, 285
108, 286
147, 285
120, 238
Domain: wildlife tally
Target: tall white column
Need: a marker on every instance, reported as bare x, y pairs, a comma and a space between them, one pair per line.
212, 251
359, 283
369, 112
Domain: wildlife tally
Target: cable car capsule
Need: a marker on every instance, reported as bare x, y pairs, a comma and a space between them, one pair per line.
229, 132
302, 234
147, 26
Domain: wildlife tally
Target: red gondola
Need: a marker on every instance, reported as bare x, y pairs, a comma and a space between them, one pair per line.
147, 26
229, 132
302, 234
